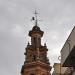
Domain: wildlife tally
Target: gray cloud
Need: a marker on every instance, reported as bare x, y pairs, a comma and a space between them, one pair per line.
15, 21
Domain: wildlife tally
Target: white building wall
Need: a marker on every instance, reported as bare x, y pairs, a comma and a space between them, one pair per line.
65, 50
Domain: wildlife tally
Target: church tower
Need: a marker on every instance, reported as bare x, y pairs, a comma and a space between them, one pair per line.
36, 61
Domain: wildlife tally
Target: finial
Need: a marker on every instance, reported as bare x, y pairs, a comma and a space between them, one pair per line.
35, 18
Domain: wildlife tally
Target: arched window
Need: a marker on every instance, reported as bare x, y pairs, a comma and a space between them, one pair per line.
39, 41
35, 42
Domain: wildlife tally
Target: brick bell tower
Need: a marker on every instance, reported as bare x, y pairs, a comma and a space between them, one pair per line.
36, 61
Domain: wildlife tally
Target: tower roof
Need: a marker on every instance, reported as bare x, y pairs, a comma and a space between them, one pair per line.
35, 30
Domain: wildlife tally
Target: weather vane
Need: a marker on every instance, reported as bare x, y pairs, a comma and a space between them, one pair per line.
35, 18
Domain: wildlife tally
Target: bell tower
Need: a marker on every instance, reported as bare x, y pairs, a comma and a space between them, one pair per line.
36, 61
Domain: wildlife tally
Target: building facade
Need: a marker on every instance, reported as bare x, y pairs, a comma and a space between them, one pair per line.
36, 61
68, 53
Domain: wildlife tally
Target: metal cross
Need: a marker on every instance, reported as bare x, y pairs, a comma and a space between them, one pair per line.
36, 17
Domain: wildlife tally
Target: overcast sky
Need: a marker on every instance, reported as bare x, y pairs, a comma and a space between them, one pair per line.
58, 19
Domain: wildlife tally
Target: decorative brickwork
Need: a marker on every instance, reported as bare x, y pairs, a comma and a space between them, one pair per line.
36, 61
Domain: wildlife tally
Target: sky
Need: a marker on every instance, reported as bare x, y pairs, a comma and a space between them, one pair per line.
57, 19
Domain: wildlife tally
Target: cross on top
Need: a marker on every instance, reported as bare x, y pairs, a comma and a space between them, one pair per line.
35, 15
35, 18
